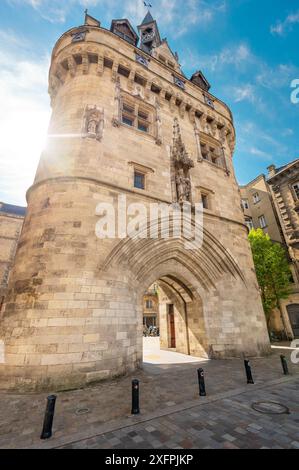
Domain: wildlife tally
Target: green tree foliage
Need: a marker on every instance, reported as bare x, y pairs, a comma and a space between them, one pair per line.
272, 269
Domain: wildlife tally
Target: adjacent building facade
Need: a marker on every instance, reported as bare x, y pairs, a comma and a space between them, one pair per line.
11, 222
272, 204
151, 307
128, 127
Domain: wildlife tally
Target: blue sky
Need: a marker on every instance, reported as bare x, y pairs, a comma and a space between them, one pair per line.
248, 50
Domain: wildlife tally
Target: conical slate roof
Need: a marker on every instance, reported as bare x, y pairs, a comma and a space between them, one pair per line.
148, 18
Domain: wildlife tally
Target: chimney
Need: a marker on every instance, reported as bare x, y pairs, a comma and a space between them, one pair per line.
272, 170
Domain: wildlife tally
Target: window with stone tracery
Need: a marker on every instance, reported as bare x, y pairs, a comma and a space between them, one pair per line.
296, 190
136, 114
212, 155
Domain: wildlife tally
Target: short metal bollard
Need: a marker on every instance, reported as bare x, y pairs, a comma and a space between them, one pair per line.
135, 397
248, 372
201, 382
284, 365
49, 416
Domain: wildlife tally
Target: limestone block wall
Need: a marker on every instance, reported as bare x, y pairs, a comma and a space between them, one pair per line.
10, 228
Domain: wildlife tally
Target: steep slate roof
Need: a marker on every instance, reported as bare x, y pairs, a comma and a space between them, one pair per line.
12, 210
130, 27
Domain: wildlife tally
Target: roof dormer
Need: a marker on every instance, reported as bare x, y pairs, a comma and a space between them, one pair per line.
124, 30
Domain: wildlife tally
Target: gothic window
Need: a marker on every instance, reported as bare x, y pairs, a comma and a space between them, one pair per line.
123, 71
263, 222
296, 189
149, 304
249, 223
139, 180
205, 201
140, 80
128, 115
256, 198
135, 114
245, 204
214, 156
155, 89
108, 63
204, 151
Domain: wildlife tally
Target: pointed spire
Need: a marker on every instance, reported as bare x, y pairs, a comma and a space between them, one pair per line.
148, 18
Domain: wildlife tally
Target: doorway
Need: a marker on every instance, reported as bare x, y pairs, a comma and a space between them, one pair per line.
293, 311
171, 324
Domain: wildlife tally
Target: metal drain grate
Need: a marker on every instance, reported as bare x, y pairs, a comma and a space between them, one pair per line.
82, 411
270, 408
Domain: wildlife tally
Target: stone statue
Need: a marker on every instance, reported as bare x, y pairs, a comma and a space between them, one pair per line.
183, 187
182, 164
159, 123
117, 104
94, 122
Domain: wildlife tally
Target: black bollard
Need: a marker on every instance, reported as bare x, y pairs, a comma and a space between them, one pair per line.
135, 397
49, 416
201, 382
284, 365
249, 373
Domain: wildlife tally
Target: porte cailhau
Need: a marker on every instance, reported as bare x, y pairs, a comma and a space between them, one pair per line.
127, 121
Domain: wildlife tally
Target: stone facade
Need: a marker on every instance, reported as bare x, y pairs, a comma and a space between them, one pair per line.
11, 222
284, 184
259, 207
272, 204
126, 121
151, 307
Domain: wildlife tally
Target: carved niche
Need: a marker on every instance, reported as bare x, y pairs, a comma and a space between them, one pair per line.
93, 122
182, 164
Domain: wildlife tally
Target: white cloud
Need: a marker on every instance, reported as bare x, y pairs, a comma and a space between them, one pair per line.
244, 93
260, 153
286, 25
287, 132
24, 116
237, 56
276, 77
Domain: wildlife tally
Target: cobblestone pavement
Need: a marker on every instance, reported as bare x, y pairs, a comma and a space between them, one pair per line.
224, 424
165, 389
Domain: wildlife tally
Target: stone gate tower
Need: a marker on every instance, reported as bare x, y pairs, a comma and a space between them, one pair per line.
126, 122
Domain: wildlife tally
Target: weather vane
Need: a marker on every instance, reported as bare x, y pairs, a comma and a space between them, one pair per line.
147, 5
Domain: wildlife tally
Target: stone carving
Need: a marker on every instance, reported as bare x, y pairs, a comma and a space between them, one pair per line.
85, 63
231, 142
114, 76
183, 184
100, 66
72, 65
94, 122
142, 60
214, 128
198, 144
138, 92
222, 135
159, 123
180, 83
117, 104
79, 35
182, 164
